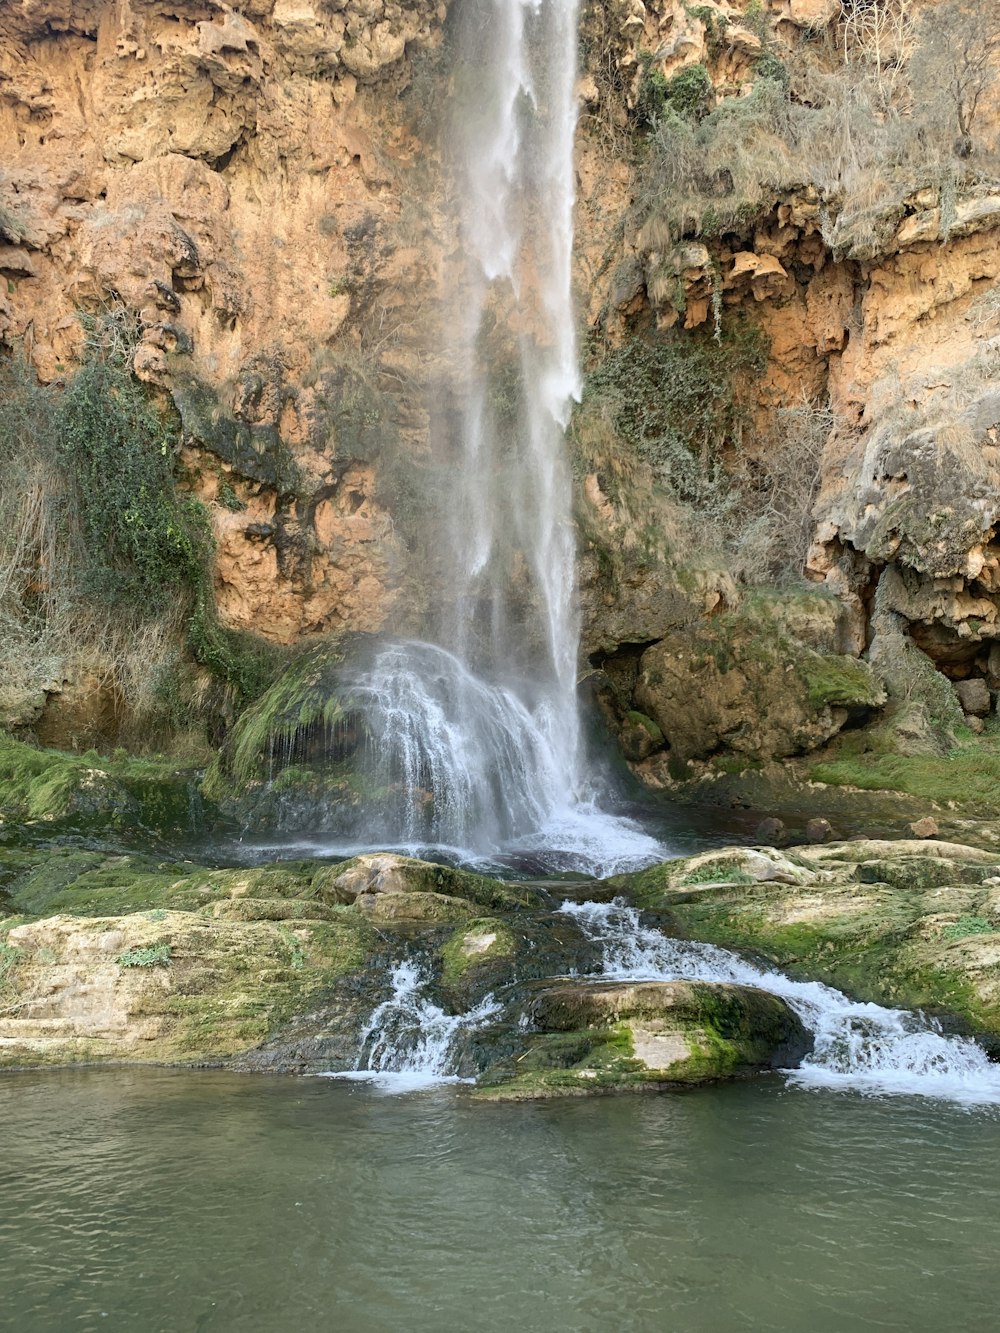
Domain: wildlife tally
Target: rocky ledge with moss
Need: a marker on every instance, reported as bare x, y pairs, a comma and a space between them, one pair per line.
111, 957
908, 923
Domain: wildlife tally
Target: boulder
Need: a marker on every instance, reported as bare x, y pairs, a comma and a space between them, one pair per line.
925, 828
818, 830
770, 830
744, 682
974, 696
599, 1036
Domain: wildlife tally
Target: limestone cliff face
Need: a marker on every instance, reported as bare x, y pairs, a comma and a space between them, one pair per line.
258, 192
876, 302
233, 179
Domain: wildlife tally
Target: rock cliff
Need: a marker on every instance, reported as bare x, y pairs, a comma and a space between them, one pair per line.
254, 194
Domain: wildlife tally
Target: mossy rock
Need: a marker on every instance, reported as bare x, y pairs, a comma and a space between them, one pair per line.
880, 920
212, 988
300, 712
388, 873
87, 793
427, 907
52, 880
745, 683
608, 1036
476, 948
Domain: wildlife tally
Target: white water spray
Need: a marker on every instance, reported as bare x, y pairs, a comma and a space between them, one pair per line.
478, 734
859, 1046
408, 1041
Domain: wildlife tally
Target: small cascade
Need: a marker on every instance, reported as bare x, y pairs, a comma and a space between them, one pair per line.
408, 1041
864, 1047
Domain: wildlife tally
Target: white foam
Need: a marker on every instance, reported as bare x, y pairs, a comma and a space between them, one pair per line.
862, 1047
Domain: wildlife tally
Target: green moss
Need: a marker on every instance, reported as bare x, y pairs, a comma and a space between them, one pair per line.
969, 925
641, 720
152, 955
458, 960
52, 786
49, 881
269, 735
687, 95
714, 873
968, 776
841, 681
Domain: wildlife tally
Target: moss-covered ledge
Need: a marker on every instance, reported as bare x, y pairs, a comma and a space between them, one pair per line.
911, 923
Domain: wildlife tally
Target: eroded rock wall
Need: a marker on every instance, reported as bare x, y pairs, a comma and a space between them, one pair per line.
235, 181
259, 193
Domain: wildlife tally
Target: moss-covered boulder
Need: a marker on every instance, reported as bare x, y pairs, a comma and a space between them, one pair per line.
611, 1036
291, 760
749, 681
378, 874
88, 793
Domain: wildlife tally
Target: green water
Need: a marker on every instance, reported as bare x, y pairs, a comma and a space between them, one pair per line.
166, 1200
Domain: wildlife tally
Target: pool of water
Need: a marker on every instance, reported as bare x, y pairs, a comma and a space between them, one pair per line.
162, 1200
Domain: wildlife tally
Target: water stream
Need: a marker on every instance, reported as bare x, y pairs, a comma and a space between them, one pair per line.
409, 1041
864, 1047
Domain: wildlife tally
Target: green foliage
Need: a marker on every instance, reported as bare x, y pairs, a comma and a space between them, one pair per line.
686, 96
229, 499
142, 539
842, 681
968, 925
680, 402
270, 733
297, 959
715, 872
969, 775
246, 663
154, 955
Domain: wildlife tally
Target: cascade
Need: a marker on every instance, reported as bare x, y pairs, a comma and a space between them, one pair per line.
409, 1041
861, 1046
476, 733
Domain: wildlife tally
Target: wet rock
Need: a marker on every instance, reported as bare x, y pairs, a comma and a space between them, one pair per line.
640, 736
600, 1036
770, 831
385, 873
412, 907
925, 828
818, 830
974, 696
905, 923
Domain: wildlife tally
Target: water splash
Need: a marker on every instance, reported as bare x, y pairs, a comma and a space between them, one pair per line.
863, 1047
461, 765
408, 1041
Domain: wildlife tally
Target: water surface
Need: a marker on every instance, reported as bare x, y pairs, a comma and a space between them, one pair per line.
171, 1200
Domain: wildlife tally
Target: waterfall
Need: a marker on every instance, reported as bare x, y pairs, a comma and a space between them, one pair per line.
864, 1047
476, 734
407, 1042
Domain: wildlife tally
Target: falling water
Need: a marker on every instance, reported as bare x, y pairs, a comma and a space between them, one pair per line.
860, 1046
407, 1042
480, 729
